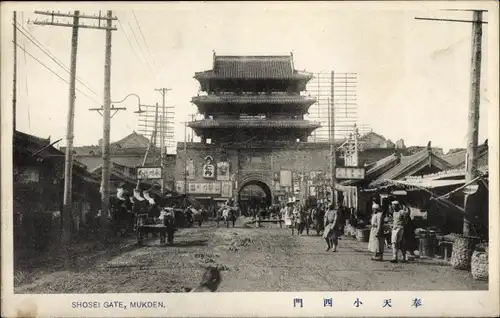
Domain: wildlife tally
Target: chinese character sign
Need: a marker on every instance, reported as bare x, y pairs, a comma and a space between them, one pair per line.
199, 188
285, 178
190, 173
209, 168
227, 188
208, 171
223, 171
149, 173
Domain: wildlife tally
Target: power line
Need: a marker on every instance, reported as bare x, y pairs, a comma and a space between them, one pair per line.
135, 53
26, 77
53, 72
143, 38
142, 52
51, 56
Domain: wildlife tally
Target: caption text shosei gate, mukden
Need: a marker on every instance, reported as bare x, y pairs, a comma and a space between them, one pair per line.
117, 304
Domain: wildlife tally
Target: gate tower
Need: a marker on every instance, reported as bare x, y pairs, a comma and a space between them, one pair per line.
253, 132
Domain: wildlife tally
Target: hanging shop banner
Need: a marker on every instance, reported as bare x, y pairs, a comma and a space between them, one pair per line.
223, 171
199, 187
209, 168
276, 176
227, 189
312, 191
179, 186
285, 178
190, 172
149, 173
351, 173
351, 160
296, 187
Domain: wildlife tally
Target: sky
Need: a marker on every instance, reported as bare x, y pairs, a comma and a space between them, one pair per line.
413, 75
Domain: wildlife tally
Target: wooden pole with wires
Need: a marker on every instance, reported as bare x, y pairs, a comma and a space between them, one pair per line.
163, 131
332, 138
75, 25
474, 103
14, 86
473, 120
106, 114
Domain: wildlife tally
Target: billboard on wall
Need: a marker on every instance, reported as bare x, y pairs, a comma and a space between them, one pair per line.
223, 171
350, 173
148, 173
199, 187
190, 172
285, 178
227, 189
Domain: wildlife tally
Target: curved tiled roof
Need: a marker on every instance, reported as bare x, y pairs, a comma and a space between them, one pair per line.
407, 162
259, 123
253, 67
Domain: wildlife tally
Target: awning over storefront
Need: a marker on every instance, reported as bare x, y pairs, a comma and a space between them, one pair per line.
432, 184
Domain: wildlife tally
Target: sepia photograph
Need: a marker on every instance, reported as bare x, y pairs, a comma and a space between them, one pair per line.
271, 147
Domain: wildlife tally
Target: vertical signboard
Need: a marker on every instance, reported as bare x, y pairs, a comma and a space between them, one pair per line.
285, 178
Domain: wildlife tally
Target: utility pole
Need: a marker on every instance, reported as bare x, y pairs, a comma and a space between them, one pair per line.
185, 158
106, 126
75, 25
14, 87
192, 119
474, 102
68, 164
163, 131
332, 138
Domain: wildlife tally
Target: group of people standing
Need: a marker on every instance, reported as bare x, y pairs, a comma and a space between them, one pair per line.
401, 234
324, 217
393, 228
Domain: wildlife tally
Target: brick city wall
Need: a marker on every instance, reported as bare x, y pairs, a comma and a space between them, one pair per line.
253, 163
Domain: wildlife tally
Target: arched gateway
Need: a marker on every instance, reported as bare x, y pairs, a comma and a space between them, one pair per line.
254, 194
253, 132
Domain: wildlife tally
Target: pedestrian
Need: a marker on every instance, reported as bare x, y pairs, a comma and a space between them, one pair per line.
409, 243
377, 242
332, 225
288, 215
398, 225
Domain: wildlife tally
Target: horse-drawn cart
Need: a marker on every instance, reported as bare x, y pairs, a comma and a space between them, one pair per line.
166, 229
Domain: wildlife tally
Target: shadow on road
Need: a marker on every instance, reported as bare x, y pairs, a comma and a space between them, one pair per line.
189, 243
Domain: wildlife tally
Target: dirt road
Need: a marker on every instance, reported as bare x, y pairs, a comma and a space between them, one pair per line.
264, 259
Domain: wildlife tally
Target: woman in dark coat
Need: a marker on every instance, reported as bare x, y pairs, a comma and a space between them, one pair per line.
409, 242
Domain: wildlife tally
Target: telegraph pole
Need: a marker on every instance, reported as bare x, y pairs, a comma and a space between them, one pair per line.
332, 138
163, 131
192, 119
68, 164
185, 157
106, 125
474, 102
75, 25
473, 122
14, 87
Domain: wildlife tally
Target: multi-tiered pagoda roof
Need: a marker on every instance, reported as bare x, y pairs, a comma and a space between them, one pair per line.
253, 96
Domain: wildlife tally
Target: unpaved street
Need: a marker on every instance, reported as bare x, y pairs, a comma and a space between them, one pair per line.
264, 259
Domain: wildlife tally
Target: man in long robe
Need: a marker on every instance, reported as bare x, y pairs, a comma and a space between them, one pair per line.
332, 228
377, 240
399, 218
